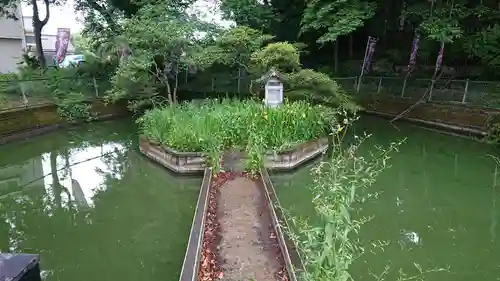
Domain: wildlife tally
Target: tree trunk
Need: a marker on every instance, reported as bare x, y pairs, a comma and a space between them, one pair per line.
176, 85
37, 29
351, 43
169, 92
336, 65
39, 48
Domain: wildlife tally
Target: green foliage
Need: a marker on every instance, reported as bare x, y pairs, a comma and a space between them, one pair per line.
69, 96
248, 12
74, 107
341, 182
442, 30
318, 86
493, 125
442, 24
163, 43
8, 85
281, 56
485, 45
213, 127
300, 83
234, 47
335, 18
69, 88
3, 101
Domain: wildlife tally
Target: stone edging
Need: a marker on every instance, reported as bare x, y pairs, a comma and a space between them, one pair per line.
193, 162
296, 156
288, 249
442, 127
179, 162
191, 264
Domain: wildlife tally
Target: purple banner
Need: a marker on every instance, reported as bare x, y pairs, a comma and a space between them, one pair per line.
62, 42
372, 42
439, 59
413, 54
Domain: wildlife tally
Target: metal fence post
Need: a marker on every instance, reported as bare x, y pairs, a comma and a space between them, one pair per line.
359, 83
213, 81
404, 87
23, 93
239, 77
95, 87
430, 90
464, 98
379, 84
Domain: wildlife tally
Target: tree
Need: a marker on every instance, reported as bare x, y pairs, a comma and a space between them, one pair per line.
335, 18
235, 47
163, 43
485, 45
9, 7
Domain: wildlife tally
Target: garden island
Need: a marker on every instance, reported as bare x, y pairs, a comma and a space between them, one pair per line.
234, 142
241, 154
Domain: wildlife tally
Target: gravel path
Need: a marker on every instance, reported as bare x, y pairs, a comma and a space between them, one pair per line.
247, 249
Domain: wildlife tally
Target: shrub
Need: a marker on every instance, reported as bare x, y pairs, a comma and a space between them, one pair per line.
212, 127
310, 84
493, 126
3, 101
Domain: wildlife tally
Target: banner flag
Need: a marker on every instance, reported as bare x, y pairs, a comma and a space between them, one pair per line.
439, 59
62, 42
413, 55
372, 42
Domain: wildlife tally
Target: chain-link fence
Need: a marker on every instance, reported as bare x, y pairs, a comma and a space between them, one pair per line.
42, 91
25, 93
222, 82
477, 93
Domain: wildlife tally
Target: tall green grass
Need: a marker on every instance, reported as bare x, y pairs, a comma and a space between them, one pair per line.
212, 127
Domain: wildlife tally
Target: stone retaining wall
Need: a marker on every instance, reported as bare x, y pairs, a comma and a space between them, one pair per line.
179, 162
465, 117
193, 162
296, 156
25, 122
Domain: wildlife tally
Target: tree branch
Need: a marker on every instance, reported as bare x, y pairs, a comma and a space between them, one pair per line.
47, 14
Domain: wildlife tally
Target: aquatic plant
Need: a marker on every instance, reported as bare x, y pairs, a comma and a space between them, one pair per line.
341, 182
213, 127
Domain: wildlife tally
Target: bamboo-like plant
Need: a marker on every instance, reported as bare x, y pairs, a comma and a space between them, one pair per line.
340, 182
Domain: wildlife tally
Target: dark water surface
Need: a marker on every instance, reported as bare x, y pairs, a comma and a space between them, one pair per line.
92, 207
438, 207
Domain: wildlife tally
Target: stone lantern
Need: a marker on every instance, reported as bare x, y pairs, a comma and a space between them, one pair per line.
273, 89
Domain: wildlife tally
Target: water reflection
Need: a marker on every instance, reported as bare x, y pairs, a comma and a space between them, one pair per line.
95, 210
79, 173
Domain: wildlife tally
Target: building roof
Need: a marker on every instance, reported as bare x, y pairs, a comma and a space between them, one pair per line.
270, 74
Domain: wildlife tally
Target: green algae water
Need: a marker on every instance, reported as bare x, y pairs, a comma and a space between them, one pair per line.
93, 207
438, 206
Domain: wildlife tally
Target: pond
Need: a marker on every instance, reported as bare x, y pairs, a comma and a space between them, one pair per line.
93, 207
438, 205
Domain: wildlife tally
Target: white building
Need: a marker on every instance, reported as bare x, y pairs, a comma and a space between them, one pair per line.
11, 42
